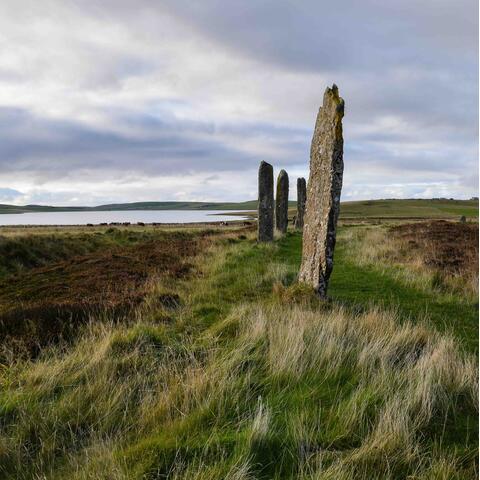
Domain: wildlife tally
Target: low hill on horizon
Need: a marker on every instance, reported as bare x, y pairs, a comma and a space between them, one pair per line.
248, 205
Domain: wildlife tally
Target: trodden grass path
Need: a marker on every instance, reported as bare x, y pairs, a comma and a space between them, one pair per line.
360, 287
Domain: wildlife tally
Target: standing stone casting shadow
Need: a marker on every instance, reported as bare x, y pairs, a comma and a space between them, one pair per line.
323, 197
281, 202
265, 202
301, 200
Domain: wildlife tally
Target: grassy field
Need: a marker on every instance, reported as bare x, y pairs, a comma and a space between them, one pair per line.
402, 210
410, 209
233, 371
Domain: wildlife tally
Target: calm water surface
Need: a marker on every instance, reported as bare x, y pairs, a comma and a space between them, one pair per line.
132, 216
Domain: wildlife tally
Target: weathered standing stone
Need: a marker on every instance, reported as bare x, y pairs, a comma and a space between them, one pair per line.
265, 202
301, 199
281, 202
323, 198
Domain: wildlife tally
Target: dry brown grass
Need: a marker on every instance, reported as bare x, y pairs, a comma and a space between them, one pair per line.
41, 304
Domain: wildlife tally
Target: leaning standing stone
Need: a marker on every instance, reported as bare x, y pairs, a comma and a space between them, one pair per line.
281, 202
265, 202
323, 198
301, 199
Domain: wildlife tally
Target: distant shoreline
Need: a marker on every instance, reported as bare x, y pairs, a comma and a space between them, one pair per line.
250, 205
196, 213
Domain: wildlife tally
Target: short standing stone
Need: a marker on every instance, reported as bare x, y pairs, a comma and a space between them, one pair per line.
281, 202
323, 199
301, 199
265, 202
463, 219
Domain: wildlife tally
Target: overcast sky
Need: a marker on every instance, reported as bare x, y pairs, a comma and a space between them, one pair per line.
135, 100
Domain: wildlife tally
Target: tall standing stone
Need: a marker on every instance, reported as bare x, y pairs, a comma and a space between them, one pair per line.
281, 202
323, 198
301, 199
265, 202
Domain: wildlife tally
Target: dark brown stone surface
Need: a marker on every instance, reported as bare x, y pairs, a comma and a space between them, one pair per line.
281, 202
301, 200
265, 202
323, 196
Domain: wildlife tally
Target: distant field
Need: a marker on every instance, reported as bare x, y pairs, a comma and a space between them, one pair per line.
407, 209
410, 208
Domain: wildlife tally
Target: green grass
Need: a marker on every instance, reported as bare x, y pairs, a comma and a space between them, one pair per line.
251, 377
359, 287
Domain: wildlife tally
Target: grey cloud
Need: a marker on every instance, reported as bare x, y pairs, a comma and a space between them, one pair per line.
345, 34
415, 60
50, 148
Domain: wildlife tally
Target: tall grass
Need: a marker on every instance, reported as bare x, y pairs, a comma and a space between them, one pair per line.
31, 248
247, 376
378, 247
